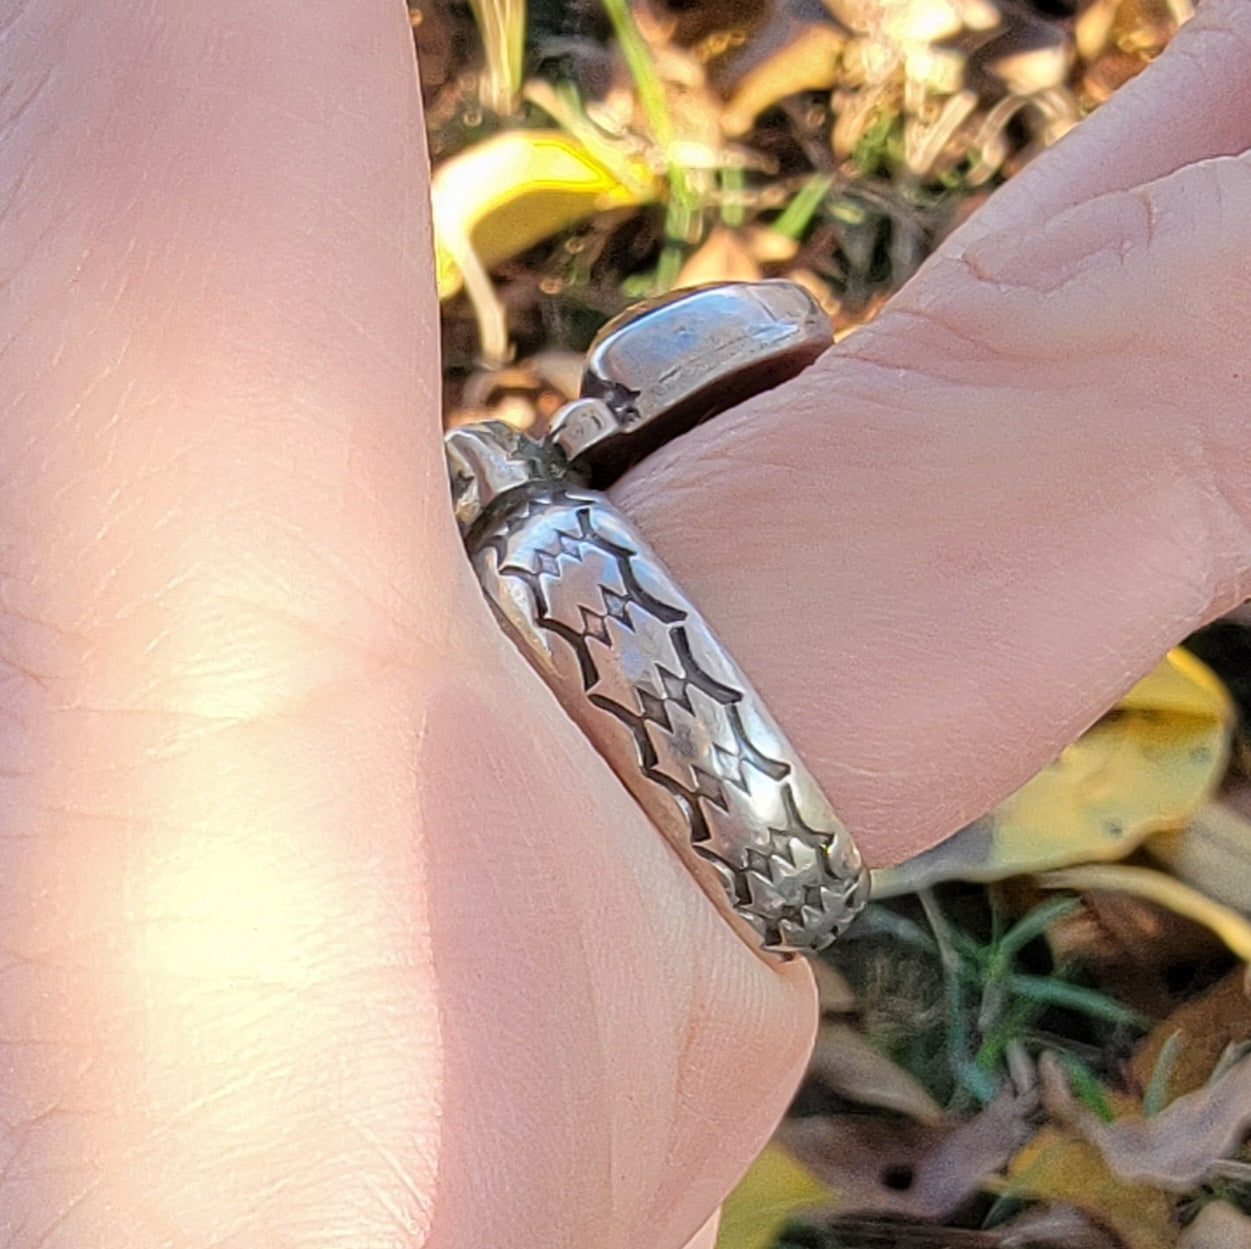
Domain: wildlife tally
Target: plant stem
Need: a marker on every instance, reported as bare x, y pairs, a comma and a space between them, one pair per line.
953, 986
733, 185
683, 202
796, 216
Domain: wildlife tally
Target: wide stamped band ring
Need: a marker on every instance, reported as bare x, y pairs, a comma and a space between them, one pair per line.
625, 651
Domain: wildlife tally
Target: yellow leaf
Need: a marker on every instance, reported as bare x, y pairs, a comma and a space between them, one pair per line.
1232, 928
1182, 685
767, 246
1057, 1167
1173, 1150
774, 1189
512, 190
1148, 766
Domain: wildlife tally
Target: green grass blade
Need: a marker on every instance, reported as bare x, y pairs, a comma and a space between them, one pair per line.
793, 220
1074, 997
639, 62
1155, 1096
1032, 926
1085, 1085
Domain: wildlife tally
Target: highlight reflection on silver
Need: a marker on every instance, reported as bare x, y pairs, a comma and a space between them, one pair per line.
635, 664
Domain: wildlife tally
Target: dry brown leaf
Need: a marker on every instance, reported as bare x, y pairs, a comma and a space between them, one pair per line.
1233, 928
1058, 1166
1173, 1150
909, 1169
1034, 69
848, 1064
914, 21
808, 62
1142, 26
1027, 54
1207, 1026
1212, 853
768, 246
1117, 38
925, 141
1092, 32
559, 369
1118, 928
723, 257
1218, 1226
1055, 1226
1130, 945
834, 995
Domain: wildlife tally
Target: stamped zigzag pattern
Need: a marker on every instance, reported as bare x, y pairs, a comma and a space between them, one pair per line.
595, 589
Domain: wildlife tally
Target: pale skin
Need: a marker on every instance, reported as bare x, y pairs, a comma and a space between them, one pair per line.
319, 923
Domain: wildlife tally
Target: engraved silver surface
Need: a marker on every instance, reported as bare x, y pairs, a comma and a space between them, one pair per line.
638, 668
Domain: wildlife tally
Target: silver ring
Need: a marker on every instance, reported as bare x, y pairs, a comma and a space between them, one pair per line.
625, 651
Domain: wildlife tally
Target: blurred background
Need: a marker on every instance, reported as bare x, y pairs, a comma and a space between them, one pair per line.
1040, 1033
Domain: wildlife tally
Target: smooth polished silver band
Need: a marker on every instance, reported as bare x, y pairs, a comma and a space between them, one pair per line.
628, 655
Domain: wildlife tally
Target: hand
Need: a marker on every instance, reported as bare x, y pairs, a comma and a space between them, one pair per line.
321, 925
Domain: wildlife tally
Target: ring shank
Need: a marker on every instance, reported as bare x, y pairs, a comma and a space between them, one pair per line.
638, 668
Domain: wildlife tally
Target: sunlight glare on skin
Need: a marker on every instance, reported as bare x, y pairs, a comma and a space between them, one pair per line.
275, 997
222, 914
268, 987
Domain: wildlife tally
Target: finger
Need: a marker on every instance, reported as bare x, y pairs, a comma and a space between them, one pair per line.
315, 908
613, 1055
991, 510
